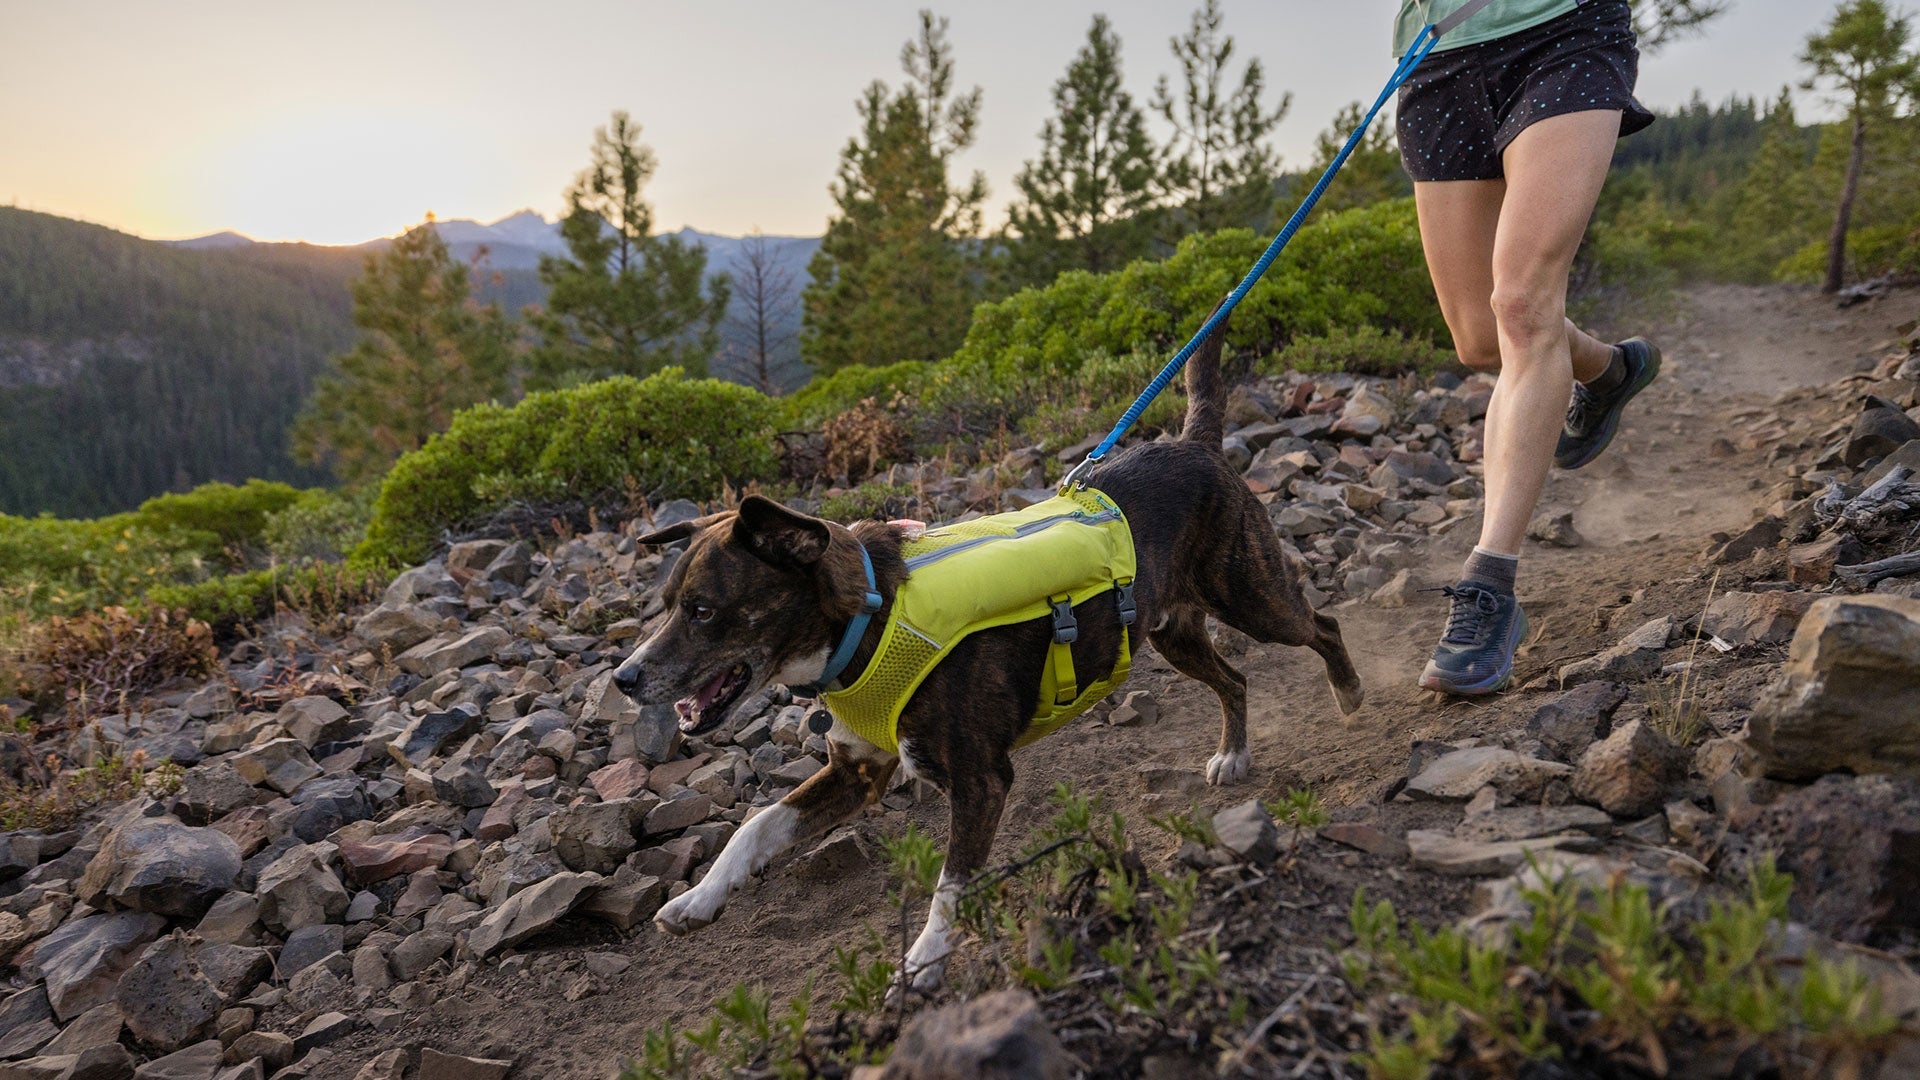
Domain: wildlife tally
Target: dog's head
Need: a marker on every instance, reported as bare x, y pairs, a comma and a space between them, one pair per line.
759, 597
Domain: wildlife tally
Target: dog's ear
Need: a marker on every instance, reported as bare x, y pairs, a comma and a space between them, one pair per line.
674, 533
781, 536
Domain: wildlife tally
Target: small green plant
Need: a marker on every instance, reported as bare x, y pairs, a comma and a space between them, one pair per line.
871, 501
57, 798
1299, 811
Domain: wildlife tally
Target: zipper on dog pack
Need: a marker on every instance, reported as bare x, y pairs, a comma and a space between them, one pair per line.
1028, 529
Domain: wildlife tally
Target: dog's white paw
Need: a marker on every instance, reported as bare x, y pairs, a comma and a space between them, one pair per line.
693, 909
1224, 769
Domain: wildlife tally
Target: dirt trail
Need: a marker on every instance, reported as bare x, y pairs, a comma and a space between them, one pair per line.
1647, 510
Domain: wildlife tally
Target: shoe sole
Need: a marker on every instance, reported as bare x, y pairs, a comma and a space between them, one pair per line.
1433, 678
1611, 425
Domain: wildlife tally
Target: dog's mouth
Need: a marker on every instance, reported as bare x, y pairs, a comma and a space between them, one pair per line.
706, 708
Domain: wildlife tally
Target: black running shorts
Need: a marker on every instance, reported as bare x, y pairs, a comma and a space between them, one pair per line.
1461, 107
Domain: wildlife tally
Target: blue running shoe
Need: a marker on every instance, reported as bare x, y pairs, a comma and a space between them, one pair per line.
1476, 654
1594, 417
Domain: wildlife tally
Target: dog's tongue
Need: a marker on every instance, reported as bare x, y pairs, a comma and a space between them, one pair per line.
688, 707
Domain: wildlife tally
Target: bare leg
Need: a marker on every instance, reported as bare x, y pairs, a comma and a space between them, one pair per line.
1554, 173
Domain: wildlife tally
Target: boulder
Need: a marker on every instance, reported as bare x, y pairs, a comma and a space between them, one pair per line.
449, 652
282, 765
597, 836
315, 720
530, 912
83, 960
325, 805
300, 889
98, 1026
1635, 659
213, 790
395, 628
626, 901
308, 946
1744, 618
431, 733
166, 1000
26, 1023
1247, 830
622, 779
1849, 696
1627, 773
672, 815
1852, 844
998, 1036
1457, 776
163, 866
1570, 723
378, 859
1879, 430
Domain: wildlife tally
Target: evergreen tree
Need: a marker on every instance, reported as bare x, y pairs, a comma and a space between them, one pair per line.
1863, 61
760, 339
1371, 174
897, 273
426, 351
1219, 168
1084, 201
1657, 22
1772, 207
623, 301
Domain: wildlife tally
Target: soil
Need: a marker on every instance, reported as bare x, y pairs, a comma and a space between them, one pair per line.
1647, 510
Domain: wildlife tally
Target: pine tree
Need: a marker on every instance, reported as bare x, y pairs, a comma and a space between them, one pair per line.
426, 351
1772, 205
1219, 168
1863, 60
623, 301
759, 333
1372, 173
1084, 201
1658, 22
897, 273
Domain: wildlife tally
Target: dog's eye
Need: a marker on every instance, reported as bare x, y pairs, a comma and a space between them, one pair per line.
701, 613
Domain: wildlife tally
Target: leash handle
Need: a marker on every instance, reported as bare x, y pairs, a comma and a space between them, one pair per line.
1417, 52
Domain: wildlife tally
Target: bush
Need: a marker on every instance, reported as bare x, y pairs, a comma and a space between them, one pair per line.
663, 437
94, 661
58, 566
217, 519
320, 591
1362, 350
1871, 252
864, 440
830, 395
320, 525
877, 502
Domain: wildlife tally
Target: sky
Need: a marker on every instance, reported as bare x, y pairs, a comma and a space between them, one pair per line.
339, 122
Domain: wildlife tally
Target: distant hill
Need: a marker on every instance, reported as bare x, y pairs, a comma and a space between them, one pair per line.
131, 367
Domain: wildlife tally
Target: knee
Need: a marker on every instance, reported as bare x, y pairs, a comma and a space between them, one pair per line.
1481, 352
1528, 317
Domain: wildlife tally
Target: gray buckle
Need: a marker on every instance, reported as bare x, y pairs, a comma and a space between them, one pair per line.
1066, 629
1127, 611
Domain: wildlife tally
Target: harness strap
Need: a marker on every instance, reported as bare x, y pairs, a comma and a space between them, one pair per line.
1464, 12
1066, 630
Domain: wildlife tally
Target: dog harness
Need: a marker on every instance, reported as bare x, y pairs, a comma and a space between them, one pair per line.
994, 571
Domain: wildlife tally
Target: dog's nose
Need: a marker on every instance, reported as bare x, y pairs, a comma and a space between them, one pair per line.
627, 678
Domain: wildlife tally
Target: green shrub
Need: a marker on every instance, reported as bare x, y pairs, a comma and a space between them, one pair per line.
875, 501
57, 566
1872, 251
217, 519
320, 525
665, 437
830, 395
320, 591
1362, 350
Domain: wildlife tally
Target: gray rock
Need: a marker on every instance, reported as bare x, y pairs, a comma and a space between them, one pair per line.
162, 866
26, 1023
234, 919
213, 790
1247, 830
1628, 773
83, 960
1530, 822
300, 889
435, 1065
282, 765
1137, 708
1635, 659
1849, 697
326, 805
597, 836
197, 1062
419, 951
998, 1036
430, 734
395, 628
653, 736
315, 720
323, 1029
1444, 853
1555, 530
387, 1065
308, 946
449, 652
1570, 723
167, 1002
1744, 618
1849, 842
1879, 430
98, 1026
420, 583
234, 969
463, 782
529, 912
676, 814
275, 1049
1457, 776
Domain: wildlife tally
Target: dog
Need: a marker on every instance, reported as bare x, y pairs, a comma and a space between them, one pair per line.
761, 596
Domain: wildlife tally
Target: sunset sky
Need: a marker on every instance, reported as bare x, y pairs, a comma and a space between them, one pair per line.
342, 121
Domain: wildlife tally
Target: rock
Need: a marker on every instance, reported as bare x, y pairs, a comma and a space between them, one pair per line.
422, 894
82, 961
1247, 830
626, 904
98, 1026
1627, 773
435, 1065
420, 583
498, 822
1368, 838
463, 782
1137, 708
377, 860
467, 559
371, 974
1849, 696
166, 1000
26, 1023
322, 1030
998, 1036
112, 1062
388, 1065
1635, 659
197, 1062
1555, 530
1399, 590
419, 951
1409, 465
395, 628
282, 765
430, 734
597, 836
213, 790
250, 827
234, 969
1879, 430
1570, 723
1852, 844
328, 804
162, 866
1455, 777
1762, 535
449, 652
529, 912
1813, 564
1744, 618
653, 736
1530, 822
299, 889
315, 720
1443, 853
308, 946
270, 1046
233, 919
620, 780
672, 815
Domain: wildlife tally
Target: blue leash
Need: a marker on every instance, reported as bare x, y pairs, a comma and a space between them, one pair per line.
1422, 45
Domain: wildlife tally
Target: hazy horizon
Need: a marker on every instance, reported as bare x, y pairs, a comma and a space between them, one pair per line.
348, 123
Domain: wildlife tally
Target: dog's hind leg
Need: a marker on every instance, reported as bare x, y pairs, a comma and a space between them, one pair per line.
856, 776
1182, 639
976, 800
1264, 600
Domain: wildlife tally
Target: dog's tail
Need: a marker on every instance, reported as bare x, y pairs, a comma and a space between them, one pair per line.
1206, 392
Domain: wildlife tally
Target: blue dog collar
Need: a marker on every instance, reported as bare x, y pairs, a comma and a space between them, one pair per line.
856, 629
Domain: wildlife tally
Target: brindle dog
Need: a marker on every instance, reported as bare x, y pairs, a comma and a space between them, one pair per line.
763, 594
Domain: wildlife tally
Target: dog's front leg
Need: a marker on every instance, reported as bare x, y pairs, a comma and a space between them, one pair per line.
855, 776
977, 800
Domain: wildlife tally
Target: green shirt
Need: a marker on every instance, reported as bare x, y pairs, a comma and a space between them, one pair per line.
1500, 18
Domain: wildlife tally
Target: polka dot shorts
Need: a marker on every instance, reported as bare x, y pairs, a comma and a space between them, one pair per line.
1463, 106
